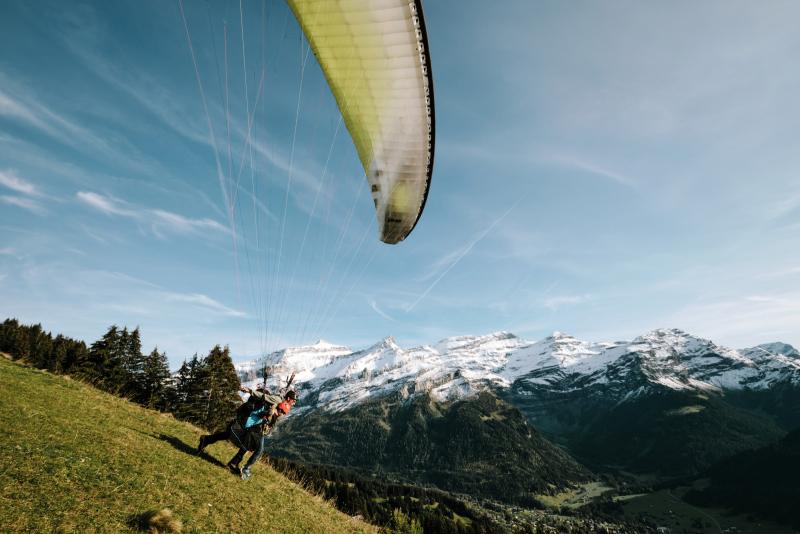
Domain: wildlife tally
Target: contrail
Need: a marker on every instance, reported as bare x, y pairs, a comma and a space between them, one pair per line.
461, 256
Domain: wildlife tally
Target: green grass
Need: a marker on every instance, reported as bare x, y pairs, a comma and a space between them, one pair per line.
465, 521
686, 410
574, 497
74, 459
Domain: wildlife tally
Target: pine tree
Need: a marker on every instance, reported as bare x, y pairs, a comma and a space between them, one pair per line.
132, 366
116, 372
401, 523
41, 346
190, 391
81, 359
9, 337
169, 394
103, 364
60, 356
154, 381
181, 383
222, 387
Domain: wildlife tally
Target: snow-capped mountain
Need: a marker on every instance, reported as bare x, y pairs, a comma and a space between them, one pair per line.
336, 377
301, 360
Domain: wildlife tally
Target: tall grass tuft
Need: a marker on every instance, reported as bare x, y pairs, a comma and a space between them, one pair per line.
162, 522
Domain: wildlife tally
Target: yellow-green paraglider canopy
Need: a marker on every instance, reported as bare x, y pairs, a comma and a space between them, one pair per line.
374, 54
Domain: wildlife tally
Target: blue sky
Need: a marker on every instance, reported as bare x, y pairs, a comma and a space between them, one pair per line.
602, 169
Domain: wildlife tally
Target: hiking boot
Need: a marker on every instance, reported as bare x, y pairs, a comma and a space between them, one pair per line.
201, 445
234, 468
245, 473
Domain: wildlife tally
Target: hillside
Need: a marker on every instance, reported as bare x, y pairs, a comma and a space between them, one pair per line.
764, 481
75, 459
480, 446
664, 432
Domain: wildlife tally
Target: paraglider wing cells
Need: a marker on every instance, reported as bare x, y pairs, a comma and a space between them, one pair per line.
375, 58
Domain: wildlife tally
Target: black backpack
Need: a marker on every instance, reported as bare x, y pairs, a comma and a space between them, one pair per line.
252, 404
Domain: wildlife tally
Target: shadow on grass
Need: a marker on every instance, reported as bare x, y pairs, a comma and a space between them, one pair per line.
188, 449
140, 522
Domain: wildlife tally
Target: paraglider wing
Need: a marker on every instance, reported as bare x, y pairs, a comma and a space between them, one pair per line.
374, 54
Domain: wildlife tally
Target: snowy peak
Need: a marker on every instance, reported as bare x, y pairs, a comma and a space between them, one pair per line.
489, 342
322, 345
668, 343
461, 366
782, 349
301, 360
387, 343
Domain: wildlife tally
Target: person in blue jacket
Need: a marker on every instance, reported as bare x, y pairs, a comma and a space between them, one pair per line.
255, 420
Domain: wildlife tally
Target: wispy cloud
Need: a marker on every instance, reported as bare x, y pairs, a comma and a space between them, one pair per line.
464, 252
181, 224
204, 301
24, 203
750, 319
159, 220
108, 205
179, 320
21, 104
141, 86
174, 112
38, 116
374, 306
11, 180
442, 263
12, 108
580, 164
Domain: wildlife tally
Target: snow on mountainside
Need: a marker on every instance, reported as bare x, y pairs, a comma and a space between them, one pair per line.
337, 377
302, 360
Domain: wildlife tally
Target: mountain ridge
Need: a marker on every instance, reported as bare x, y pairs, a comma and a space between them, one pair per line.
665, 403
463, 366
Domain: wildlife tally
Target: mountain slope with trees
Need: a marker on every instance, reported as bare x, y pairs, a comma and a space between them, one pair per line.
764, 481
480, 446
204, 392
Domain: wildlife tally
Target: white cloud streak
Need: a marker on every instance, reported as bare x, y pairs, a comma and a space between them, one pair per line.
757, 318
9, 179
173, 112
40, 117
466, 251
203, 301
24, 203
108, 205
158, 220
182, 224
19, 103
592, 168
374, 306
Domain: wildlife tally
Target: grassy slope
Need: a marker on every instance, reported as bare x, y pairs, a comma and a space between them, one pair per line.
75, 459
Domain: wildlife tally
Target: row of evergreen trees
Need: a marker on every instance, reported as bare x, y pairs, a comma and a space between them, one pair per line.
204, 391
